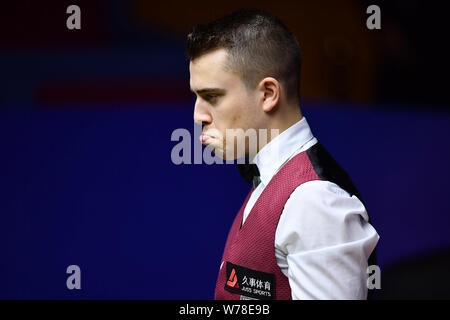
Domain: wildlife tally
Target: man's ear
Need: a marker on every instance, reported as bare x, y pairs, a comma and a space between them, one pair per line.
270, 90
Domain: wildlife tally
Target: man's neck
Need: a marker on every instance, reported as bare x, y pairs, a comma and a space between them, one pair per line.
281, 124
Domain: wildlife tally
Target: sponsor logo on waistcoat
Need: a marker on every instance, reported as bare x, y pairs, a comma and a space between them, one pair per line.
249, 283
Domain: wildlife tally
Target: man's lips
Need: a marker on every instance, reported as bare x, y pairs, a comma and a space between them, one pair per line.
204, 138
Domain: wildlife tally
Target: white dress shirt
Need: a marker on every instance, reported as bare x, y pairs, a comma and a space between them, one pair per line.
323, 238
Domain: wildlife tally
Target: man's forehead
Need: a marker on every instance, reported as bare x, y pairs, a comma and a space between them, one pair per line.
209, 64
210, 72
220, 81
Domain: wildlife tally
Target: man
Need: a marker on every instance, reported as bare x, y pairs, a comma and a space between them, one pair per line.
302, 232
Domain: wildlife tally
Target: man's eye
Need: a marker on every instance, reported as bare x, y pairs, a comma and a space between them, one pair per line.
210, 97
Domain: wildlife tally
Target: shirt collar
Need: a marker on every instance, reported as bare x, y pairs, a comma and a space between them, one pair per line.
274, 154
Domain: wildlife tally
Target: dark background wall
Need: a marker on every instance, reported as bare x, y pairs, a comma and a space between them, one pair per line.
86, 119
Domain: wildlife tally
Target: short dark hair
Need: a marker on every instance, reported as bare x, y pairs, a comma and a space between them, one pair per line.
258, 45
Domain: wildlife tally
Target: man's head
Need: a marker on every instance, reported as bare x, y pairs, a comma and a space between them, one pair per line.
251, 61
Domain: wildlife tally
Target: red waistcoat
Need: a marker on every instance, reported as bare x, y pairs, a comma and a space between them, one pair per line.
249, 268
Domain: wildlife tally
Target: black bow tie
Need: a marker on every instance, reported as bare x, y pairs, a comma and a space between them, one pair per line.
249, 172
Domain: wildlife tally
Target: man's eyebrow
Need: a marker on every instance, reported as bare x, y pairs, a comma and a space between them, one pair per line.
205, 90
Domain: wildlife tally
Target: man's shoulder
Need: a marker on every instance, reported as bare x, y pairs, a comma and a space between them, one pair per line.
319, 187
322, 196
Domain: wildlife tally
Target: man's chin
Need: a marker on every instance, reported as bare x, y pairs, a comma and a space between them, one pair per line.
220, 153
230, 156
227, 155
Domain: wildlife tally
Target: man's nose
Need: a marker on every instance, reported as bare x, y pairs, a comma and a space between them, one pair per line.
201, 114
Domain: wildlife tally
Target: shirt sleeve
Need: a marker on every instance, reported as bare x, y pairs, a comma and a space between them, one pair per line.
323, 241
